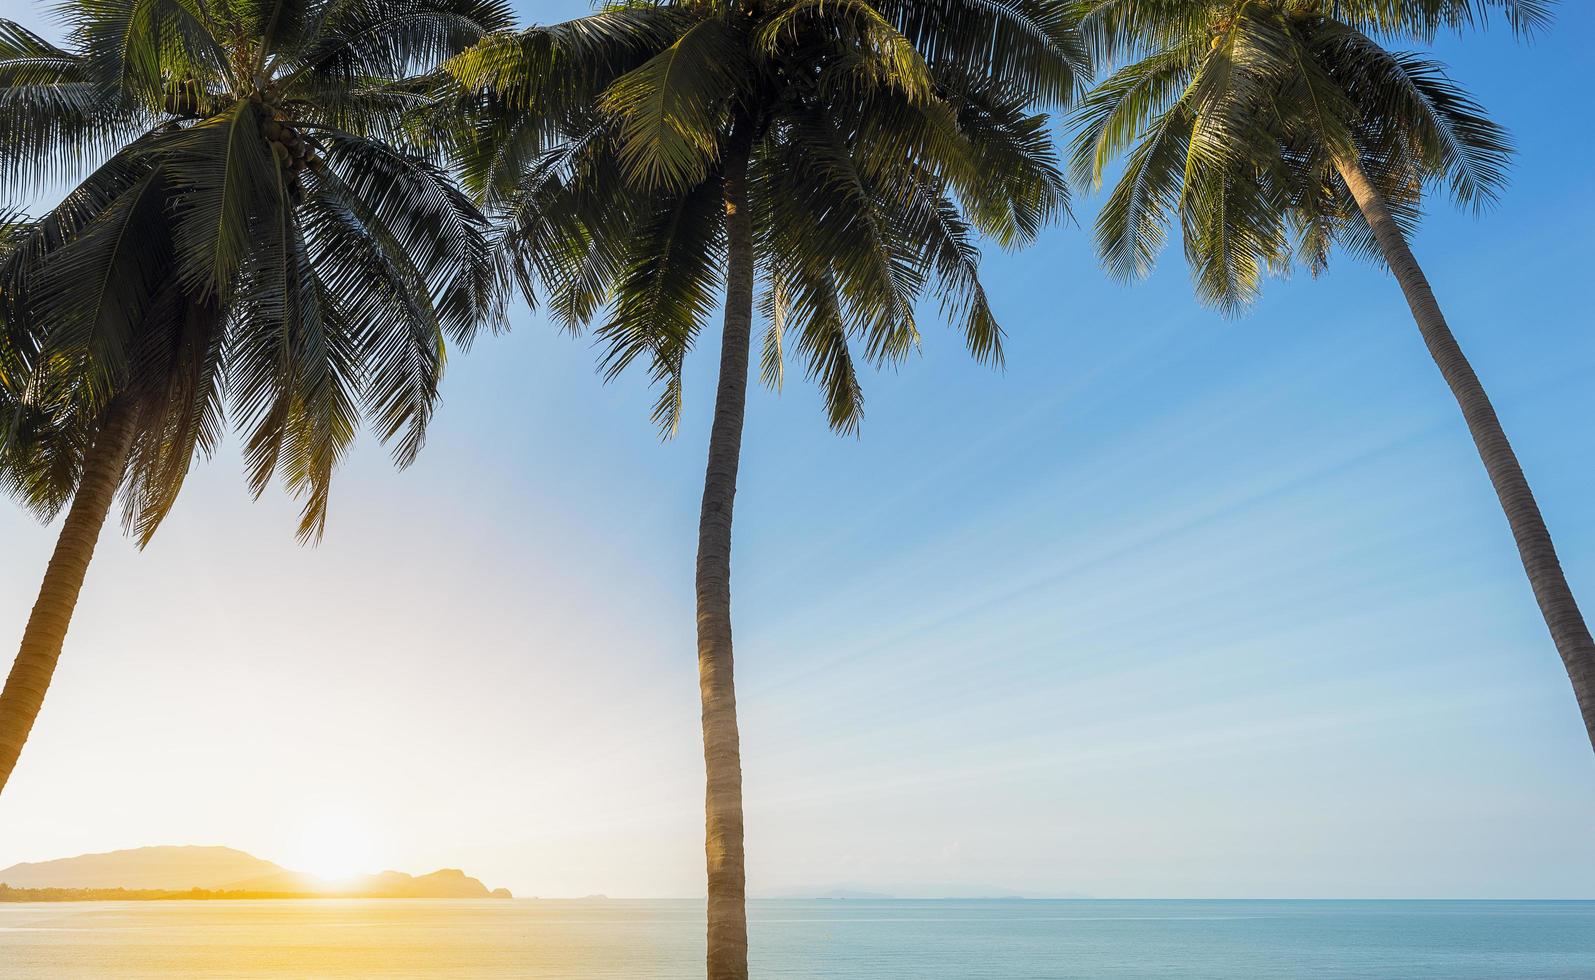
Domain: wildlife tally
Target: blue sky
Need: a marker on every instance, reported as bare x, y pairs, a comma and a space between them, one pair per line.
1173, 606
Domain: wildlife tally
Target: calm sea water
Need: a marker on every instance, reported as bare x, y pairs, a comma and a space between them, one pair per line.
836, 940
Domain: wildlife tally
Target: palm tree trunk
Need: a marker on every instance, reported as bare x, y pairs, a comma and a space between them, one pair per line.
63, 579
722, 752
1534, 545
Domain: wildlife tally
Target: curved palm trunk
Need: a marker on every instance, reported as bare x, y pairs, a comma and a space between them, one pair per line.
722, 752
63, 578
1534, 545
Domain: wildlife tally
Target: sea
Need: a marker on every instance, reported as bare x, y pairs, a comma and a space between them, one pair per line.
810, 939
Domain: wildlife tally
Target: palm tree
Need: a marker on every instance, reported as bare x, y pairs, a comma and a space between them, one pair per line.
247, 235
1276, 129
844, 153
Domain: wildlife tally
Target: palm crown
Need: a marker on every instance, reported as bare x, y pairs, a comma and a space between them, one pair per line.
880, 136
1233, 114
246, 237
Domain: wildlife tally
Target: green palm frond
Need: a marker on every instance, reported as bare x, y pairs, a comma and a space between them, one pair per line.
391, 39
568, 222
134, 47
669, 108
1413, 102
883, 139
928, 215
1132, 226
665, 293
179, 419
1112, 117
1234, 231
877, 52
277, 24
41, 452
56, 121
253, 249
776, 307
1019, 186
813, 314
549, 71
1237, 117
97, 290
825, 202
223, 174
1117, 31
428, 219
1421, 20
401, 343
1031, 49
296, 380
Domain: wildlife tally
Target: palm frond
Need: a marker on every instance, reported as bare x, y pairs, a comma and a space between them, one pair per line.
132, 47
391, 39
364, 264
1236, 117
1132, 226
1032, 49
549, 71
430, 220
180, 415
90, 297
55, 119
669, 108
1410, 103
223, 176
665, 293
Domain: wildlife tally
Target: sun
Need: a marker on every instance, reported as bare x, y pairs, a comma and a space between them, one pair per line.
333, 845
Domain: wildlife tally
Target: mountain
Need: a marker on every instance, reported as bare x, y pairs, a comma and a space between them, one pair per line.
227, 869
143, 867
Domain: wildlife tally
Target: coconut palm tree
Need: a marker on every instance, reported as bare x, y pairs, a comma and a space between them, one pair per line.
1277, 129
844, 153
247, 233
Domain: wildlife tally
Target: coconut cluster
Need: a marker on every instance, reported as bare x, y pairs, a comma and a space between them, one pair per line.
293, 151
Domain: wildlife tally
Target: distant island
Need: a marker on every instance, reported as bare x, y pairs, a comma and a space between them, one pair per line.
189, 872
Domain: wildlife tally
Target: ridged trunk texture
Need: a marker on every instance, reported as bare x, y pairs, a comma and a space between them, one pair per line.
1557, 605
63, 579
722, 751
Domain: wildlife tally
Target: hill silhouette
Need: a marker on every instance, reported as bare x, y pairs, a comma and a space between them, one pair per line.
226, 872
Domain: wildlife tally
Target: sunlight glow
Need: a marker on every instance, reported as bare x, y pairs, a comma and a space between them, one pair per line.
334, 845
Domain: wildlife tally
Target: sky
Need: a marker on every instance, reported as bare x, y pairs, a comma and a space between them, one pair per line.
1173, 606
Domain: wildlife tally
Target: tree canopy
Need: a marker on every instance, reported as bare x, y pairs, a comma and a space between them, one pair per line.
250, 234
1229, 115
883, 137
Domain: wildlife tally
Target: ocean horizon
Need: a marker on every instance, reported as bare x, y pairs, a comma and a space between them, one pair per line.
805, 939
